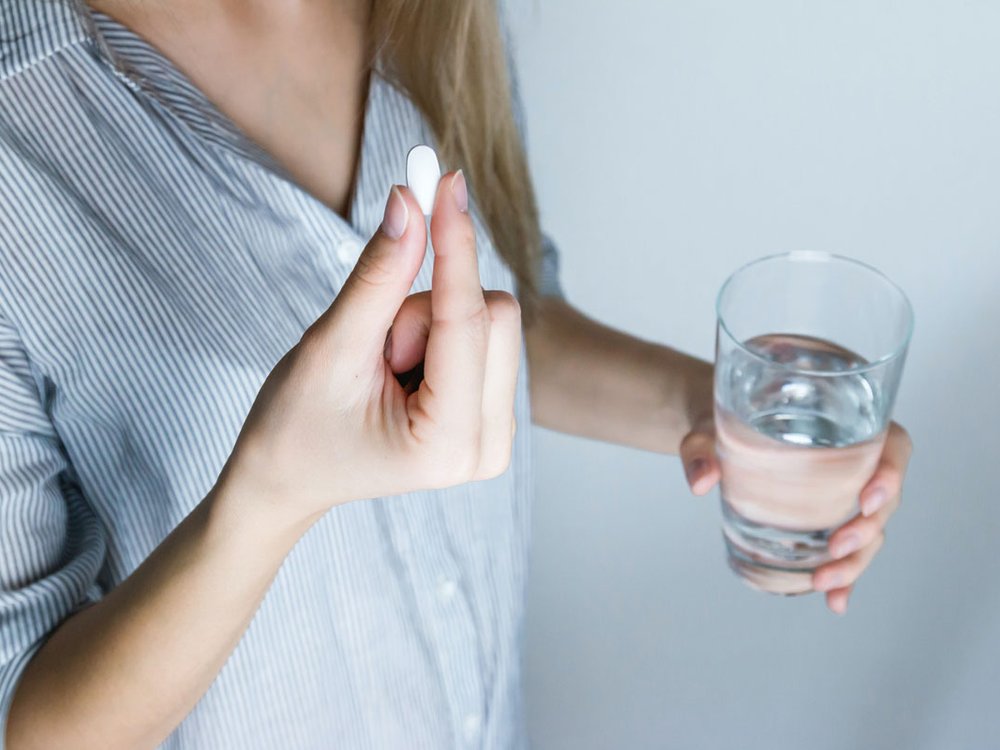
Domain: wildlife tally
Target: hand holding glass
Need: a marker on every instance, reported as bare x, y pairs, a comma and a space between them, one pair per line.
809, 354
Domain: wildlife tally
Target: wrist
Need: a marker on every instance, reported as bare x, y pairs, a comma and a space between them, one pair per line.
699, 408
250, 508
686, 387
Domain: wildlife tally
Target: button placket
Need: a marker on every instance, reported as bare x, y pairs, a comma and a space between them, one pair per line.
471, 727
451, 623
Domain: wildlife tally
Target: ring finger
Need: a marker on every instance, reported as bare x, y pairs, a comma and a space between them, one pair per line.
499, 384
844, 572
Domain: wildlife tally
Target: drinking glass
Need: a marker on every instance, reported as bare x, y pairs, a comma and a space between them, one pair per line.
809, 353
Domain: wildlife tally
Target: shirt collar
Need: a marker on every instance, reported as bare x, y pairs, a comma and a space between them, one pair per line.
40, 28
32, 30
150, 74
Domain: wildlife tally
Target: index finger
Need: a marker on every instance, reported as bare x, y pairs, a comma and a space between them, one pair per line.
898, 447
887, 482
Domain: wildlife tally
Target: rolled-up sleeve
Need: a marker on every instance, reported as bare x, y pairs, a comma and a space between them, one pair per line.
51, 544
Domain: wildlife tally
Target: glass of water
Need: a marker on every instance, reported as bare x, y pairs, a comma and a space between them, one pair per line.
809, 353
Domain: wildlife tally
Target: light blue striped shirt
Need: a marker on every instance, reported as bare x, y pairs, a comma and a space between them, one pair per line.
154, 266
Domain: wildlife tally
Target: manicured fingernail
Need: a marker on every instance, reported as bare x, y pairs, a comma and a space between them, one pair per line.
845, 546
829, 581
875, 500
396, 215
695, 470
461, 191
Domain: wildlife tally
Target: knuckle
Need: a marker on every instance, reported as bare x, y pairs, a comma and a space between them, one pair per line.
907, 441
469, 463
477, 323
687, 442
496, 464
853, 574
498, 468
695, 441
891, 476
868, 526
479, 317
890, 479
465, 466
471, 321
453, 463
372, 269
502, 306
902, 435
473, 317
874, 529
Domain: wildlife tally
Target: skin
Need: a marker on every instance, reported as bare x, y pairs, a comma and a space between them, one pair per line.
652, 397
96, 683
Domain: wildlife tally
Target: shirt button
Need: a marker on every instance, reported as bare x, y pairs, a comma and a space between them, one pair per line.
470, 727
349, 251
446, 589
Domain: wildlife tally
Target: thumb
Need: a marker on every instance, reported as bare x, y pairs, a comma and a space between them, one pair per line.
385, 270
697, 451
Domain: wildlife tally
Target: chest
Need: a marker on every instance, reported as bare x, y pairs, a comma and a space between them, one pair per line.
293, 78
160, 282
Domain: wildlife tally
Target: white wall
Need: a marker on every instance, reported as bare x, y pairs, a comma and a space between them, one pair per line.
716, 132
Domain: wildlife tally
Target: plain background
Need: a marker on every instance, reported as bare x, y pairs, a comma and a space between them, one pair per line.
672, 142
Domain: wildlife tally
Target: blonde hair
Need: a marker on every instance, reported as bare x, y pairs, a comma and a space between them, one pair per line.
448, 56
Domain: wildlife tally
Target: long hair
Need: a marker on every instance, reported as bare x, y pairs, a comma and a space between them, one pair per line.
448, 56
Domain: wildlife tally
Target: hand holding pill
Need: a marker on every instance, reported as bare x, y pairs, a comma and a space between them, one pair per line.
336, 422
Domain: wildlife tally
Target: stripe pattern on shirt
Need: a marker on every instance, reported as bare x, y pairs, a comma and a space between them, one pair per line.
154, 266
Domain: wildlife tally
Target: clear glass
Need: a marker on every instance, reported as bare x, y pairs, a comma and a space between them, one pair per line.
809, 353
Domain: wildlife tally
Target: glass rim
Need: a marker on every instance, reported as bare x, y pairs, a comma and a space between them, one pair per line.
826, 257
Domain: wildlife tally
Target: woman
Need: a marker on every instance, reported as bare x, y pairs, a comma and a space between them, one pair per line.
185, 418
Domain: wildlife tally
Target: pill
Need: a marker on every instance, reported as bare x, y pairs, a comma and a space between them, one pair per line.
422, 176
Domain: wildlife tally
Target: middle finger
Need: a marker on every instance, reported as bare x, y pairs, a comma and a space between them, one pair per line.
455, 361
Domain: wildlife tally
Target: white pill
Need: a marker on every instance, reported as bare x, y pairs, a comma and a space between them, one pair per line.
422, 176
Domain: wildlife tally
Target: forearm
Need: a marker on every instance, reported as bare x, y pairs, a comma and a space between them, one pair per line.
590, 380
125, 671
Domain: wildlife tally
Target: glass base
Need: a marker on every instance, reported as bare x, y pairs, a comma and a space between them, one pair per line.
771, 559
768, 579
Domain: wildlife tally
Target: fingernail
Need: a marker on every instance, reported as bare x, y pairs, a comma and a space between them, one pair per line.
387, 350
840, 606
396, 215
461, 191
874, 501
847, 545
695, 470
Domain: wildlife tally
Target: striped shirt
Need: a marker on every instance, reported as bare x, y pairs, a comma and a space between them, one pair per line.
154, 266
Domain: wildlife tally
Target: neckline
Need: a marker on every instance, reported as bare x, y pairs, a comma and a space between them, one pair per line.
148, 71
